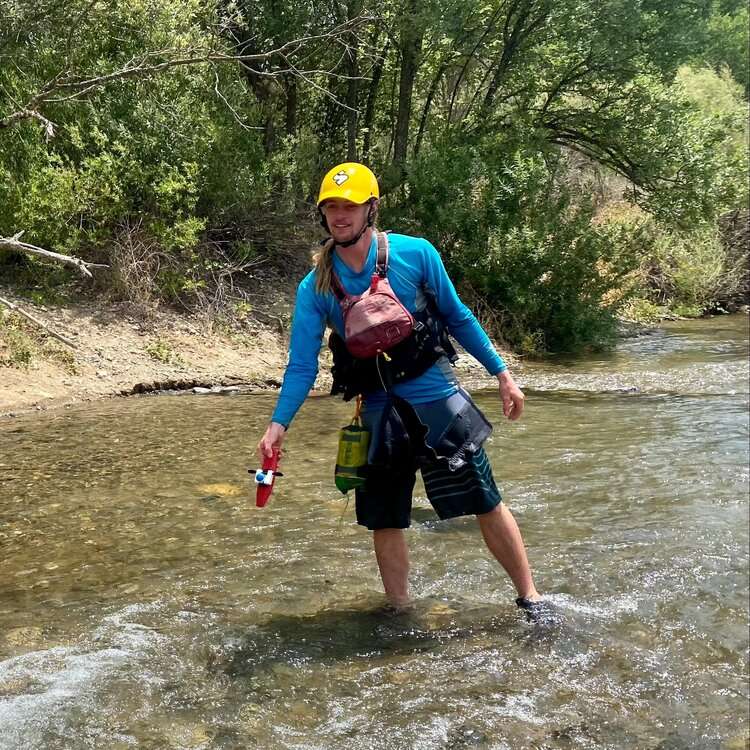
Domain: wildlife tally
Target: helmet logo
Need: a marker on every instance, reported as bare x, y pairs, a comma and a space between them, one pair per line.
340, 177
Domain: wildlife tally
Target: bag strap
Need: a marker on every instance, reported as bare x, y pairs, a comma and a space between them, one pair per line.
337, 287
381, 267
381, 264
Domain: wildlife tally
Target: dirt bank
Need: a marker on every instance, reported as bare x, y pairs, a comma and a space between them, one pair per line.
119, 352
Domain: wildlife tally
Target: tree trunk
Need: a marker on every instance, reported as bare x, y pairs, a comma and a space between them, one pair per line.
392, 105
352, 90
372, 96
290, 85
261, 86
517, 31
428, 103
411, 35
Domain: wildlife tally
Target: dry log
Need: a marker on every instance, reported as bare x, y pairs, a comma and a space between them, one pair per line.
14, 243
38, 322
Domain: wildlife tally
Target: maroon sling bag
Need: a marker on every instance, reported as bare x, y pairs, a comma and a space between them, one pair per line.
374, 321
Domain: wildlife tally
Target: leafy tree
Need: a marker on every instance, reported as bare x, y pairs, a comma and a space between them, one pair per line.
202, 126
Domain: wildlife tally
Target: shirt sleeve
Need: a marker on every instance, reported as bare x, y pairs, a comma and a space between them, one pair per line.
308, 326
461, 322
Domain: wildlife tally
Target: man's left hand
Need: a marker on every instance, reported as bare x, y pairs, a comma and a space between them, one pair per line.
511, 395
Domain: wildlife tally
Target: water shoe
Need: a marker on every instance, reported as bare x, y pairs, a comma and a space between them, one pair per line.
538, 613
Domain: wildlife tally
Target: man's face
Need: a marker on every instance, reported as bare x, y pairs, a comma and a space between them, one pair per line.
345, 219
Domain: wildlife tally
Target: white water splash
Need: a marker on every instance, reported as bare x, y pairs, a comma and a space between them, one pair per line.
60, 682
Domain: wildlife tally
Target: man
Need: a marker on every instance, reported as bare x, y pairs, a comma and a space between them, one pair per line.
458, 482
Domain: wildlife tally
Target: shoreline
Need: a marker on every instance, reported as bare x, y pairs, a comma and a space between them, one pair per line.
119, 353
143, 390
471, 376
119, 350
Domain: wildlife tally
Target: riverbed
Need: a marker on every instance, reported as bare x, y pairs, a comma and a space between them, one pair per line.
146, 603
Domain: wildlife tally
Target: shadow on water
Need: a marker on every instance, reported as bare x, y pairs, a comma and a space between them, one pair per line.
375, 632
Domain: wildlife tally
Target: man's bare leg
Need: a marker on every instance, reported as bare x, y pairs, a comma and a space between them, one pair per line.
503, 538
392, 554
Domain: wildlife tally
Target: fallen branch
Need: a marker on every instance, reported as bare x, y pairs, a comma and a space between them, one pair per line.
30, 114
47, 329
14, 243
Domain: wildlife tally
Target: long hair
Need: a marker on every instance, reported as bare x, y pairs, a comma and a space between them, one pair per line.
323, 262
323, 258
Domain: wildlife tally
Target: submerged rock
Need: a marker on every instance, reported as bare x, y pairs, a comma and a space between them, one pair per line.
18, 637
466, 736
222, 489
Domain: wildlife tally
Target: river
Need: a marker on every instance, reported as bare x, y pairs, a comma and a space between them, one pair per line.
146, 603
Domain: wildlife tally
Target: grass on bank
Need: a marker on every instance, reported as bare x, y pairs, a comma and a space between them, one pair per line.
161, 350
24, 346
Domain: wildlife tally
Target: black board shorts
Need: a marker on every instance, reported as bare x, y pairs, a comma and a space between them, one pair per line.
385, 501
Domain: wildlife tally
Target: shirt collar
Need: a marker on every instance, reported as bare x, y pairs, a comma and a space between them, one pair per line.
339, 265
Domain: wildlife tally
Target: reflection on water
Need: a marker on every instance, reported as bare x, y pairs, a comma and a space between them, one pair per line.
145, 602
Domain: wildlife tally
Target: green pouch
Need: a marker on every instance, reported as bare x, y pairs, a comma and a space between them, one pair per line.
354, 441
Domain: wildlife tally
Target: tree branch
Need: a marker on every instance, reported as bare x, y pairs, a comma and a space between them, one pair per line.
513, 40
29, 114
77, 87
14, 243
15, 308
490, 27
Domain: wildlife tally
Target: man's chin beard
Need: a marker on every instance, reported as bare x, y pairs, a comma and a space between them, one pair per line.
343, 237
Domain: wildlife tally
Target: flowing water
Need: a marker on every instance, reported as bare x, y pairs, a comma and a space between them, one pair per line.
145, 602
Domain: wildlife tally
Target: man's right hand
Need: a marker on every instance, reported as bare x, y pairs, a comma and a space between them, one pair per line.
273, 438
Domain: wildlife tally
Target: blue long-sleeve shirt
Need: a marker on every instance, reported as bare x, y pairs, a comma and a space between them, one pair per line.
412, 261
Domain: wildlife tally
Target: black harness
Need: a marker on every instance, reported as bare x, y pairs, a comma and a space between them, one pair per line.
427, 343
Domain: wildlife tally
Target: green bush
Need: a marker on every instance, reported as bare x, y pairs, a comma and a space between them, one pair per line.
511, 230
693, 270
639, 310
17, 348
163, 351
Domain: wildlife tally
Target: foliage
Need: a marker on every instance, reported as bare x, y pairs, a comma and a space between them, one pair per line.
679, 272
23, 345
512, 232
16, 347
727, 40
644, 312
162, 351
695, 272
477, 117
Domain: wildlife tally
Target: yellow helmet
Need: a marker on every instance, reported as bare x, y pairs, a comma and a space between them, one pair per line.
351, 181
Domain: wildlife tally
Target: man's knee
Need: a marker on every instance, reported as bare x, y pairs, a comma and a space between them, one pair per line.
387, 533
498, 510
